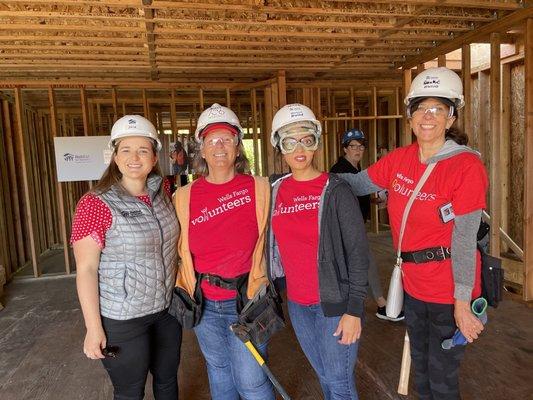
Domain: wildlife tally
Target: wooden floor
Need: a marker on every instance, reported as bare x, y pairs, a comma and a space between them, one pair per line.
41, 333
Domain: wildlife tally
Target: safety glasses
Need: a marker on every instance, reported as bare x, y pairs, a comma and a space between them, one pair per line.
224, 141
288, 144
434, 111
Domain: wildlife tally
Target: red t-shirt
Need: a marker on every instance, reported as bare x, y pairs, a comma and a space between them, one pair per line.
295, 226
460, 180
93, 217
223, 230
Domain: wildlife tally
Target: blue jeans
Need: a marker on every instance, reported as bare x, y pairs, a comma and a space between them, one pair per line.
231, 369
334, 363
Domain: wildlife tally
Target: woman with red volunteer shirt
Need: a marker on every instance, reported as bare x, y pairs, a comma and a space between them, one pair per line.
223, 216
318, 243
441, 266
124, 235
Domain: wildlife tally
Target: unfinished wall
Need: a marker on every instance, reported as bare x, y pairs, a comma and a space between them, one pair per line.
516, 200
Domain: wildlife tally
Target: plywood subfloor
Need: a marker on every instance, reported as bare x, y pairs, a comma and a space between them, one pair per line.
41, 333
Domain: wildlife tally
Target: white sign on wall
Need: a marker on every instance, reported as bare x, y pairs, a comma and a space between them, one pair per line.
81, 158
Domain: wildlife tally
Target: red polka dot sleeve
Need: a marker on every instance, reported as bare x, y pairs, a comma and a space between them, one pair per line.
167, 187
92, 218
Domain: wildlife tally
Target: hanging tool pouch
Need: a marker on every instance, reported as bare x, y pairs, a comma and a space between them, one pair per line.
261, 317
492, 273
187, 310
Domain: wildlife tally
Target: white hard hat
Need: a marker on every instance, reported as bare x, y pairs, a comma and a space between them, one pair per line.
290, 114
437, 82
217, 114
133, 125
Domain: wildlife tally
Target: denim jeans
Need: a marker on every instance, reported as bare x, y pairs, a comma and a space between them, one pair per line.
334, 363
231, 369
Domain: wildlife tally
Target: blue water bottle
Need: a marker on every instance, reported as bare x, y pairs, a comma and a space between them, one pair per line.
479, 308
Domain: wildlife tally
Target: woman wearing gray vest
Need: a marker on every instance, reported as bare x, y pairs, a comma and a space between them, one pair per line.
124, 235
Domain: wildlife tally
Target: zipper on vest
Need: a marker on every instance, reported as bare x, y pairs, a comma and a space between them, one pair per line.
161, 237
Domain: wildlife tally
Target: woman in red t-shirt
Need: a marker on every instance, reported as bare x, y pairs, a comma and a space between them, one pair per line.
318, 244
124, 236
223, 218
441, 265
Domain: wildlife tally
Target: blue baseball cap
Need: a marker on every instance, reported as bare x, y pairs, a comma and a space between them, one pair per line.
353, 134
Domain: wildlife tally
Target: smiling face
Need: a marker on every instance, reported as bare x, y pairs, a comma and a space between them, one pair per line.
430, 120
219, 149
300, 160
135, 157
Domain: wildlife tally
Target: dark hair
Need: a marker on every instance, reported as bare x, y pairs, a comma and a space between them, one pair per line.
347, 143
453, 133
457, 135
112, 174
242, 165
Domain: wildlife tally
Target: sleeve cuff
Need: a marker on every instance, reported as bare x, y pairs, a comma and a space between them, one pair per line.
355, 307
462, 292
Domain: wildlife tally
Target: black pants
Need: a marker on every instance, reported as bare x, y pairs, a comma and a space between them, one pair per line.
150, 343
436, 370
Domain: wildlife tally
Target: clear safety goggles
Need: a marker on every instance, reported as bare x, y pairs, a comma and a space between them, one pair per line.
224, 141
288, 144
435, 111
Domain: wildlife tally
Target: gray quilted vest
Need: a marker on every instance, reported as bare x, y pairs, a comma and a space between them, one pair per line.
137, 271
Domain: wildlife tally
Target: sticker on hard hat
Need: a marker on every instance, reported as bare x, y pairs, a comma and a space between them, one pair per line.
215, 112
132, 123
431, 82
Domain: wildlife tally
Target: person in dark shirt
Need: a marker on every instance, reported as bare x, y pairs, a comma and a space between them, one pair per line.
354, 144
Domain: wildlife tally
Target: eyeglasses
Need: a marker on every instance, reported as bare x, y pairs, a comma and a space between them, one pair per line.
435, 111
360, 147
224, 141
289, 144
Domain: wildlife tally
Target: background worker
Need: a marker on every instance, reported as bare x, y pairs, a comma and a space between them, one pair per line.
354, 144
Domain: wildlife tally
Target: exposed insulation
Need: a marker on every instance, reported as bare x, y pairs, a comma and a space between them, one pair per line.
516, 200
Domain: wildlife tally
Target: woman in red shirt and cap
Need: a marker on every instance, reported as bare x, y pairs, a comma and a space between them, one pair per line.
223, 217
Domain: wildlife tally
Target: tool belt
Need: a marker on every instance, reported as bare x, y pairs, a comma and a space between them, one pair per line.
188, 311
224, 283
427, 255
258, 318
261, 317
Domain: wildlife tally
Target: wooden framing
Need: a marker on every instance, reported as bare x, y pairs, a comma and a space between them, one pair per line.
528, 164
60, 195
159, 40
505, 148
14, 184
406, 136
372, 154
495, 114
467, 89
27, 191
250, 57
253, 103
